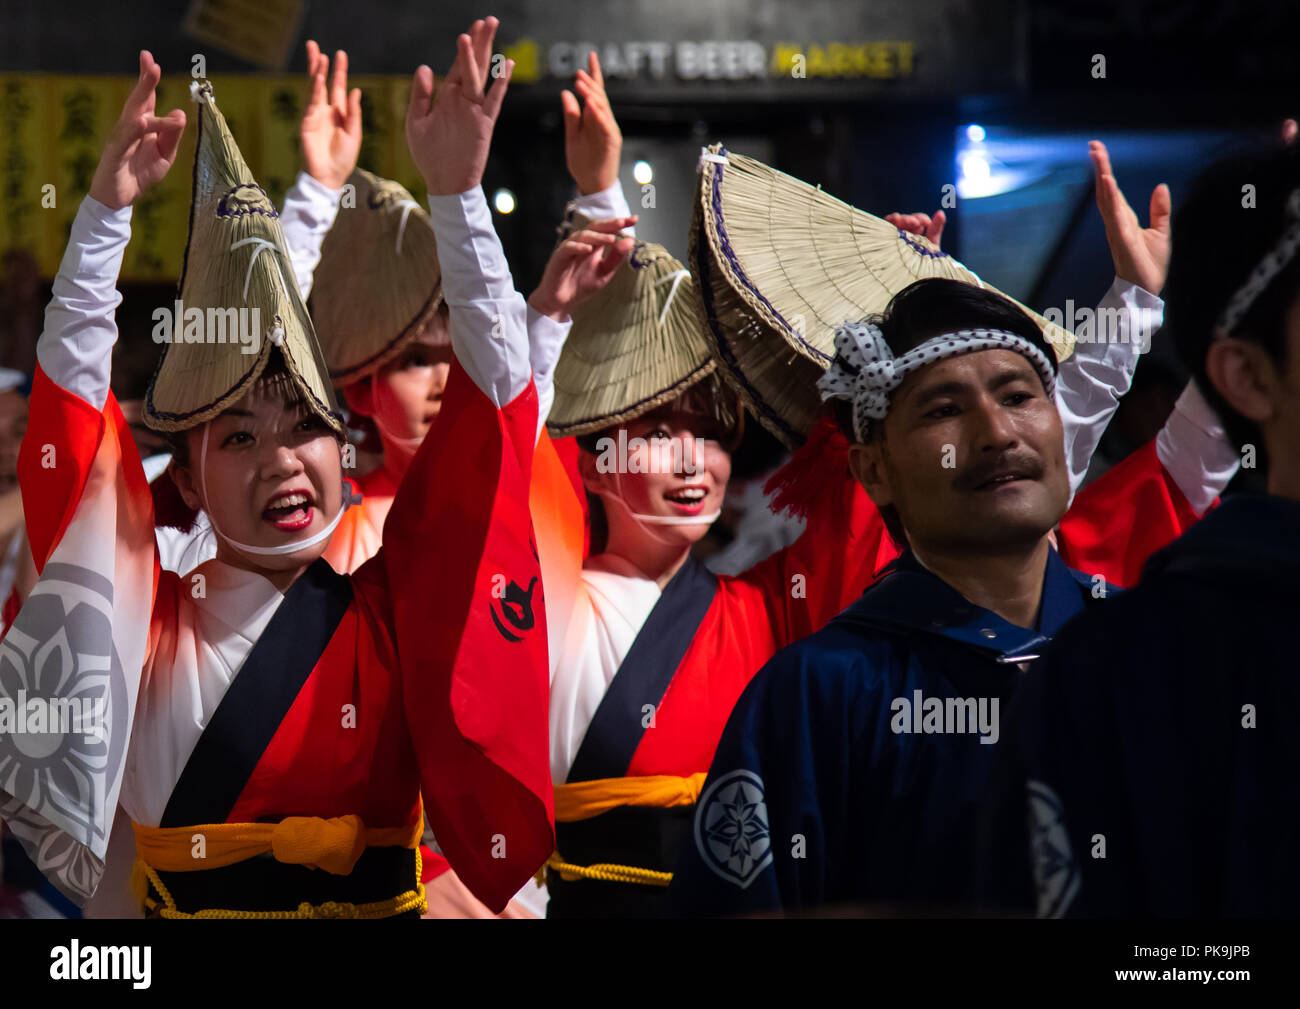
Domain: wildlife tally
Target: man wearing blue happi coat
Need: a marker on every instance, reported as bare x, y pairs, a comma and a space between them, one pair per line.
1153, 752
850, 770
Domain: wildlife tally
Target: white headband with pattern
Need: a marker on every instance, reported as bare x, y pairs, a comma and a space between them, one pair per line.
865, 370
1269, 267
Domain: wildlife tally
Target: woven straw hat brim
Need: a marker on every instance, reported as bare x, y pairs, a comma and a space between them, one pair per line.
194, 382
378, 283
780, 265
633, 347
366, 367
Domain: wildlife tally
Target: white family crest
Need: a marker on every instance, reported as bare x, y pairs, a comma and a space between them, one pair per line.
1056, 874
731, 828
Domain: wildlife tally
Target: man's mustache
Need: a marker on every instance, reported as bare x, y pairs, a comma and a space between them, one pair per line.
1025, 464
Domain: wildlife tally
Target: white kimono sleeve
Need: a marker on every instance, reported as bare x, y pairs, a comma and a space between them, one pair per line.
1100, 371
310, 208
602, 206
489, 318
72, 662
1194, 450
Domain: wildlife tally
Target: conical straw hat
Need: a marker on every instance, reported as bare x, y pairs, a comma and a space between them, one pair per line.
634, 346
780, 264
378, 283
236, 258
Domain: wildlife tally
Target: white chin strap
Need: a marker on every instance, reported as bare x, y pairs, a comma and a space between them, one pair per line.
247, 548
643, 520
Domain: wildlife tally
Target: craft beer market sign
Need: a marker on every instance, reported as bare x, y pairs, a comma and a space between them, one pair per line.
735, 60
762, 50
59, 96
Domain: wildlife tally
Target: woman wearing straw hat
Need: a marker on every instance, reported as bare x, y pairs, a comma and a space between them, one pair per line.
373, 275
359, 685
371, 270
655, 649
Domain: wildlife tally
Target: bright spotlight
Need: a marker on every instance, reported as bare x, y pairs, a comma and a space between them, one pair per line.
642, 172
504, 201
975, 167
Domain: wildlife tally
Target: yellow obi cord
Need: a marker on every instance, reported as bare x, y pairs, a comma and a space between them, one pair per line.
582, 800
411, 900
333, 845
608, 872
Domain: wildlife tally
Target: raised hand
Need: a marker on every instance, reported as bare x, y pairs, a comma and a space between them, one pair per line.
581, 265
1141, 255
141, 147
449, 141
921, 224
592, 141
331, 123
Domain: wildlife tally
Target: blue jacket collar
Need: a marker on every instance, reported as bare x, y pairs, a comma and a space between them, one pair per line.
907, 597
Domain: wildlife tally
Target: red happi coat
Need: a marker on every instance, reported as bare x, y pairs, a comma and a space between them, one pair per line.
446, 677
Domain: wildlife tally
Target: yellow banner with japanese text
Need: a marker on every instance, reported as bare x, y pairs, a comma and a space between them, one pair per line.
52, 129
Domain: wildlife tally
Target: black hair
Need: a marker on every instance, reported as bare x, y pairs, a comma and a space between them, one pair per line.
275, 373
708, 398
925, 309
1221, 234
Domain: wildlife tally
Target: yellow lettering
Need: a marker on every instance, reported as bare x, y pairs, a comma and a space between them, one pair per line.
783, 56
904, 58
840, 59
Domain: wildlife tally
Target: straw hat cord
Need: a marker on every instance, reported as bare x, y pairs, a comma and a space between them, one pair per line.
676, 277
407, 206
261, 245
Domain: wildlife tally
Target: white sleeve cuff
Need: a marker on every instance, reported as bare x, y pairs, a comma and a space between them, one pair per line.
310, 208
320, 195
602, 206
76, 346
1194, 449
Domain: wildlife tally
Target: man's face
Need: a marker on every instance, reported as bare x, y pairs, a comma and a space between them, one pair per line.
273, 474
13, 425
971, 455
